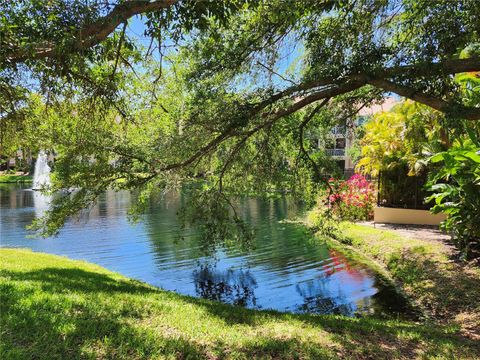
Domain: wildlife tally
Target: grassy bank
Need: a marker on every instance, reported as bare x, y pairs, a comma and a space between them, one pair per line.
15, 178
52, 307
447, 291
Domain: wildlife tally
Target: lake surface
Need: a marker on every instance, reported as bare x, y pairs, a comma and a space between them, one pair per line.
285, 270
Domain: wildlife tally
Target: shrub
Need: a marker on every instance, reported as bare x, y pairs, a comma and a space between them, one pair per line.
352, 199
456, 192
321, 222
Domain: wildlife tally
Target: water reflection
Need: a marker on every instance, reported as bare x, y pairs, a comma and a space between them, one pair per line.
340, 288
233, 286
285, 270
41, 203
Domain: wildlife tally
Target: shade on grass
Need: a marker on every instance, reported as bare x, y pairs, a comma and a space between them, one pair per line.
52, 307
446, 290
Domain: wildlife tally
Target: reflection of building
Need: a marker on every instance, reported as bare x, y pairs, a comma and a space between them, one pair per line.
342, 137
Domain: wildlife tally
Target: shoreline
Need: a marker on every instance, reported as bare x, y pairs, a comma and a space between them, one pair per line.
15, 179
422, 269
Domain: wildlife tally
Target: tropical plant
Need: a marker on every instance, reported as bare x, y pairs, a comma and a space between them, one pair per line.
352, 199
457, 193
382, 146
404, 136
456, 179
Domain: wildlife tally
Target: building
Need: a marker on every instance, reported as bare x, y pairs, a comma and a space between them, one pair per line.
341, 137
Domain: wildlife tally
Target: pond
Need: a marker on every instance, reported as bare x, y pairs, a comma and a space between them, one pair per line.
285, 270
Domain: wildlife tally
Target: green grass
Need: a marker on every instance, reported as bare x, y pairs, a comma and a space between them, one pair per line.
444, 289
15, 178
55, 308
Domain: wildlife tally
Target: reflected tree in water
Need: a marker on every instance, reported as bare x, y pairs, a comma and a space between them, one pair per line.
233, 286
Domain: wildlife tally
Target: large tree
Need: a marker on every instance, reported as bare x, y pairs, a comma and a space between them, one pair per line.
236, 103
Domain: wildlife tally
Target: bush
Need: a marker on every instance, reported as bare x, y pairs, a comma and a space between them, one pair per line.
353, 199
456, 188
321, 222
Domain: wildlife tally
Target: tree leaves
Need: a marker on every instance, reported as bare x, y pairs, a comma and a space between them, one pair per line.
221, 109
456, 187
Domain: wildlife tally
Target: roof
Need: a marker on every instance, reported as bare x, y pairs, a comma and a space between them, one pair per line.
387, 104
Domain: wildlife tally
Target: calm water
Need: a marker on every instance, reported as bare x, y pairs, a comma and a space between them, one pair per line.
285, 270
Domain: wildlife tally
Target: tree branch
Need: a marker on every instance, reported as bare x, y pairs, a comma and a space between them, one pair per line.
93, 34
328, 89
272, 118
119, 48
276, 73
445, 67
459, 110
344, 84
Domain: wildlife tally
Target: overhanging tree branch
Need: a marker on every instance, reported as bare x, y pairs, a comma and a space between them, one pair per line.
327, 88
457, 109
344, 84
93, 34
443, 67
425, 69
270, 118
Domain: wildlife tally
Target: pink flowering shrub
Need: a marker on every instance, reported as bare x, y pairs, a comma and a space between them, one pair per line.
352, 199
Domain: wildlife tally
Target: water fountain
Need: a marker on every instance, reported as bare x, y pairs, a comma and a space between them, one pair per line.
41, 176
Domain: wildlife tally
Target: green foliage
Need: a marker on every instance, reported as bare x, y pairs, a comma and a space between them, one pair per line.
320, 221
415, 135
402, 136
355, 149
382, 143
16, 178
221, 92
214, 214
19, 129
420, 137
457, 193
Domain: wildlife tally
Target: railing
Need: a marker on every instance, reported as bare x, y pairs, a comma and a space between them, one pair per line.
335, 152
398, 190
338, 130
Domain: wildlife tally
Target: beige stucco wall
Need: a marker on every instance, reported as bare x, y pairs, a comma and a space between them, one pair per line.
406, 216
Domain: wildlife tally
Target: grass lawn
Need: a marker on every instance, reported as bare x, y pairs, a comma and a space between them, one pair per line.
444, 289
4, 178
56, 308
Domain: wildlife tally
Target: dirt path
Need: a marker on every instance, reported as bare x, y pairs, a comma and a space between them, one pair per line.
421, 232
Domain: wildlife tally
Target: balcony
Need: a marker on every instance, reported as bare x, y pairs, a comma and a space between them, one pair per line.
338, 131
335, 152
